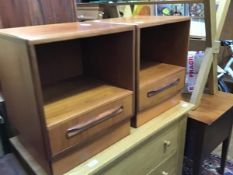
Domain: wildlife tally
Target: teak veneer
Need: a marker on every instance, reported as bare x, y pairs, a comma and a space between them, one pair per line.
161, 42
71, 108
30, 12
62, 32
68, 89
61, 100
159, 82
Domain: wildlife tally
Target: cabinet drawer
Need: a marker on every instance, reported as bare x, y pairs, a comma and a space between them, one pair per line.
90, 125
147, 155
158, 83
75, 157
168, 167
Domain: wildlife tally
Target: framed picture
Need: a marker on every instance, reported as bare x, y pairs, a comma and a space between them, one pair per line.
197, 10
172, 9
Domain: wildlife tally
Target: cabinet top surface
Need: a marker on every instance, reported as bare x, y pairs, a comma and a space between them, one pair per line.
145, 21
63, 31
212, 107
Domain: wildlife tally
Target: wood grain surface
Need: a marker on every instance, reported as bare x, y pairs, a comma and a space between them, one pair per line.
44, 58
64, 31
15, 13
165, 43
86, 127
153, 112
81, 154
72, 104
63, 55
122, 150
111, 58
75, 97
212, 107
145, 21
158, 39
162, 81
21, 103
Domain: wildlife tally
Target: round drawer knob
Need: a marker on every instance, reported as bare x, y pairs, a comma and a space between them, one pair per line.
167, 143
164, 173
101, 14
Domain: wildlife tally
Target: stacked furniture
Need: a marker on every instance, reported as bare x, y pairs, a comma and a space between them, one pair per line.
155, 148
79, 84
214, 24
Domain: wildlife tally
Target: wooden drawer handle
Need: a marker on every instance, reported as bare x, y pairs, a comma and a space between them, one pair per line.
164, 173
160, 89
96, 120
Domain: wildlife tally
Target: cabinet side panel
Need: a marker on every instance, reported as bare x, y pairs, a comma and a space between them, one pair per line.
19, 93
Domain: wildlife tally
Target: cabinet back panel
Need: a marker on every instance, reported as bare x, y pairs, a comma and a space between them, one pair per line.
57, 11
15, 13
166, 43
111, 58
59, 61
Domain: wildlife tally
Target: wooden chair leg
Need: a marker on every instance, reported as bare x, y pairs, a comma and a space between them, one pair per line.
197, 166
198, 159
225, 146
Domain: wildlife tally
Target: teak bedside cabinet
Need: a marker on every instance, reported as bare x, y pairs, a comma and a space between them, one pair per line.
68, 89
161, 53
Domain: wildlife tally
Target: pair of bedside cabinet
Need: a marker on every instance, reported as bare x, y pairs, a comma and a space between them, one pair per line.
73, 89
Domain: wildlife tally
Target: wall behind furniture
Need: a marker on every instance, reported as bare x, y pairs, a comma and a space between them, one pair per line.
15, 13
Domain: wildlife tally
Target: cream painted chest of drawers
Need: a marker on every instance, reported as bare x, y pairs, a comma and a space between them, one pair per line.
155, 148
